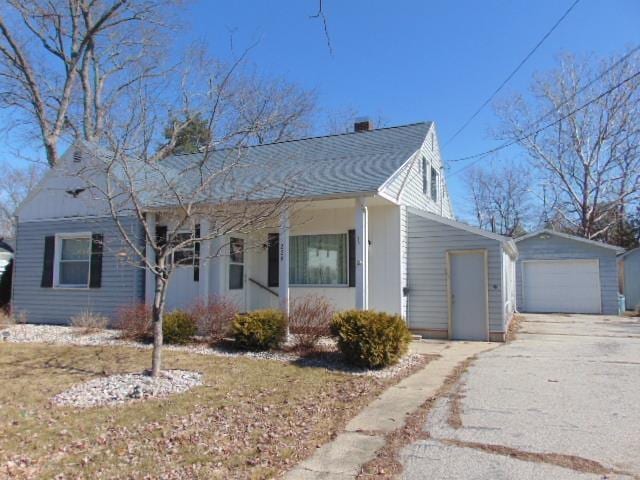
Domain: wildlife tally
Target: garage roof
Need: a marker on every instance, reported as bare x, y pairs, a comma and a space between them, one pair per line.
507, 242
547, 231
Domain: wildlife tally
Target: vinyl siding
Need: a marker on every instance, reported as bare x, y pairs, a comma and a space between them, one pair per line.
428, 243
558, 248
405, 186
631, 287
122, 282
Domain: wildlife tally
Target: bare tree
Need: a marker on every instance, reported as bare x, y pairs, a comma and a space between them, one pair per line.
501, 198
199, 198
15, 185
591, 156
64, 64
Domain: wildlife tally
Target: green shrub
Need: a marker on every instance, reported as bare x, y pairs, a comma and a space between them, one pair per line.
178, 327
259, 330
371, 339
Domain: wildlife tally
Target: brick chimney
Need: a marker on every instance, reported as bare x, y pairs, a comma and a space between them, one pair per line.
362, 125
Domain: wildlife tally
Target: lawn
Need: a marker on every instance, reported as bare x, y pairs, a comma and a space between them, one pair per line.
251, 418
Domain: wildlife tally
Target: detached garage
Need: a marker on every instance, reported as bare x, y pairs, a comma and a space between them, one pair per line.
460, 279
560, 273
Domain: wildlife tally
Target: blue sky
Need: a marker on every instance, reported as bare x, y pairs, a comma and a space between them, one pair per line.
412, 60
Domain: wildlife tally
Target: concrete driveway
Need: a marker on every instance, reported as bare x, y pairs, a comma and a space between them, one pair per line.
562, 401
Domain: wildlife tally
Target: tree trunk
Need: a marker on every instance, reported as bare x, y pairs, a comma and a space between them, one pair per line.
158, 314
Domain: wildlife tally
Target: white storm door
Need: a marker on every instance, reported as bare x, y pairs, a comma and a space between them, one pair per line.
236, 274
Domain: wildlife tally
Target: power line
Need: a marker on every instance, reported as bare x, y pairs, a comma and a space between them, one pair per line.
511, 75
480, 156
561, 104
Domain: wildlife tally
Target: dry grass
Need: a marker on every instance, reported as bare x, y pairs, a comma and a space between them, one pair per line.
88, 322
10, 318
251, 419
514, 327
572, 462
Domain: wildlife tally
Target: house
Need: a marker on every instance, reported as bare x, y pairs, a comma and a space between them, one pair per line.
629, 270
563, 273
368, 206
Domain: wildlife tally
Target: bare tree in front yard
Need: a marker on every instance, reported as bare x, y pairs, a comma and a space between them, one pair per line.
200, 198
591, 157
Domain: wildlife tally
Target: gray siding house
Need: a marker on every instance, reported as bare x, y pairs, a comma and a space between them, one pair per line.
563, 273
350, 235
115, 283
629, 264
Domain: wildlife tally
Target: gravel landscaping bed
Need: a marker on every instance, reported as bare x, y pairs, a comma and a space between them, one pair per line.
331, 360
119, 389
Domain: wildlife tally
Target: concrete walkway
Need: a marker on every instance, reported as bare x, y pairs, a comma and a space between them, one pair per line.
365, 434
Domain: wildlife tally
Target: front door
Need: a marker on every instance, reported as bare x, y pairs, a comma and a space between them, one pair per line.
468, 295
236, 272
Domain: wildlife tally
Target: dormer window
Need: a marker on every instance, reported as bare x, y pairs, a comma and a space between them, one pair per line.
77, 155
425, 183
434, 184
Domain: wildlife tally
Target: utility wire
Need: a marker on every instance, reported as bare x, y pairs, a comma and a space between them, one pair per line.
561, 104
480, 156
511, 75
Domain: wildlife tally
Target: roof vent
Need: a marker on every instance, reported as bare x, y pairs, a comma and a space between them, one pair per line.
77, 155
362, 125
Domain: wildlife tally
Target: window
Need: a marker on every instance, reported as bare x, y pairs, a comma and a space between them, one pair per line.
318, 260
434, 184
425, 184
236, 264
183, 256
74, 260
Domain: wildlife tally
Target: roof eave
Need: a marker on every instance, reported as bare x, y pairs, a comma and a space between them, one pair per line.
570, 237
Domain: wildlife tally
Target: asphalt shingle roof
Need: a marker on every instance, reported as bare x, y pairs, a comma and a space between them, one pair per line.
334, 165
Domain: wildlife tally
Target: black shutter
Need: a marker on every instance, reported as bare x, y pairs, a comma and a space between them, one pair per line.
273, 272
161, 236
352, 258
97, 247
47, 265
196, 257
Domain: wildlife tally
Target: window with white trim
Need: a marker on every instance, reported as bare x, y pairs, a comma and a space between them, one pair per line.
318, 259
425, 183
73, 260
434, 184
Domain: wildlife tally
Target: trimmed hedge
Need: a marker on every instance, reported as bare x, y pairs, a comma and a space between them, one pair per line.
259, 330
371, 339
178, 327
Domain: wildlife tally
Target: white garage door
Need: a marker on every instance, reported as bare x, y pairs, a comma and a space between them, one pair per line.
568, 286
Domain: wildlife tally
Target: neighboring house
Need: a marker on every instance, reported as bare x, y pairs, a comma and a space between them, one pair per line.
6, 253
629, 269
563, 273
372, 228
